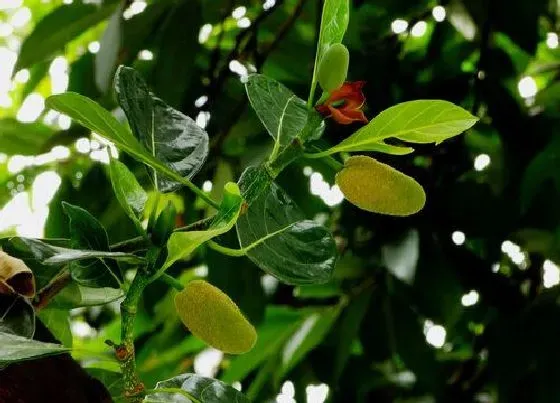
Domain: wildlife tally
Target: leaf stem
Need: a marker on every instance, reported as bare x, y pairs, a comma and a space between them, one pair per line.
125, 351
197, 225
337, 166
171, 281
141, 241
199, 192
316, 155
227, 251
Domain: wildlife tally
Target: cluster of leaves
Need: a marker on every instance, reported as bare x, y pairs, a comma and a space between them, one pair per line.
363, 283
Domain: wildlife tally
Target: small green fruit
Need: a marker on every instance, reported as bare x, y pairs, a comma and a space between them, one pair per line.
214, 318
380, 188
333, 67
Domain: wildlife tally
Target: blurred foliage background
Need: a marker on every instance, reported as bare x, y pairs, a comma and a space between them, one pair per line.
458, 303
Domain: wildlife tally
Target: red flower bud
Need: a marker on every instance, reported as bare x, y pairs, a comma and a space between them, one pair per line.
345, 104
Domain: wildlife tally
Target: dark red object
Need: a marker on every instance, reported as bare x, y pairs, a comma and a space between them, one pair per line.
345, 104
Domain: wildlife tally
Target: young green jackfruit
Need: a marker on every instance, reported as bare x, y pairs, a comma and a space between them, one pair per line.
333, 67
214, 318
380, 188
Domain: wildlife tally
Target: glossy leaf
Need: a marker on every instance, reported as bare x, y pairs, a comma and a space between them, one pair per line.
58, 28
75, 295
282, 113
422, 121
253, 182
39, 255
91, 115
57, 320
17, 348
379, 188
192, 388
33, 252
182, 244
171, 137
87, 232
23, 138
128, 191
283, 243
16, 316
334, 22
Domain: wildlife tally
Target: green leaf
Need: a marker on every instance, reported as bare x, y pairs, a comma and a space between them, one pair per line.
57, 320
33, 252
61, 256
140, 29
182, 244
16, 316
58, 28
253, 182
75, 295
164, 225
175, 67
171, 137
401, 257
88, 233
279, 109
318, 291
282, 242
130, 194
88, 113
192, 388
47, 260
279, 323
421, 121
110, 45
311, 332
16, 348
23, 138
334, 22
85, 230
347, 330
539, 172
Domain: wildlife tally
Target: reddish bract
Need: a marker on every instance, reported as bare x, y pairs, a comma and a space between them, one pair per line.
345, 104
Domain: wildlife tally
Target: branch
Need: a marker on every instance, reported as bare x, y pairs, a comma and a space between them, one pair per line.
260, 58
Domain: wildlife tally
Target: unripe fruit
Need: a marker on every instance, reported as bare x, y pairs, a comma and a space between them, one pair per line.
214, 318
333, 67
380, 188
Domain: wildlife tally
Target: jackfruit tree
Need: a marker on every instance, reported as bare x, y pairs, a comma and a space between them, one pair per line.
324, 200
